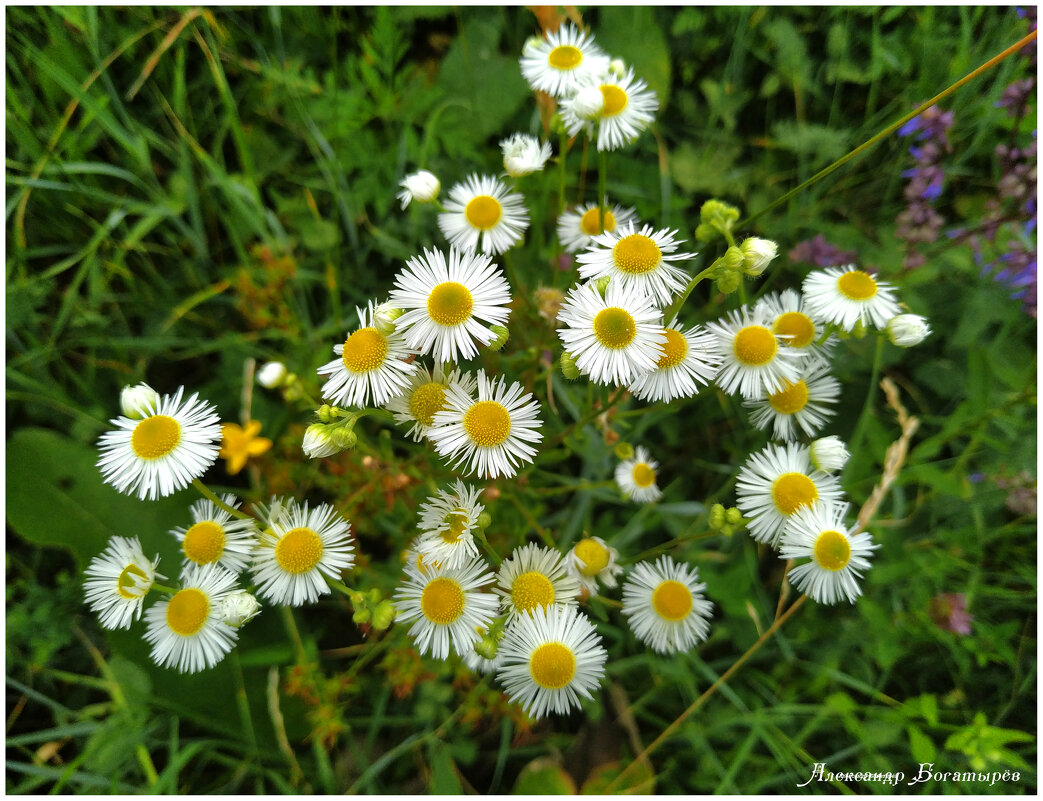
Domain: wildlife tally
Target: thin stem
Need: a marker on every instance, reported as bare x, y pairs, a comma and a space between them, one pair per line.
675, 307
602, 188
867, 407
162, 588
208, 494
992, 62
479, 534
612, 401
583, 485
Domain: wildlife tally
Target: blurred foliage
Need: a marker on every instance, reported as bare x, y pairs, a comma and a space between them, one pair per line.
189, 189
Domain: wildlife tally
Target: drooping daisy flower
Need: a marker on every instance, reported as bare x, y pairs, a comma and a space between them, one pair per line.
446, 604
688, 360
450, 302
215, 536
187, 631
801, 406
425, 395
297, 549
838, 556
523, 154
639, 261
578, 227
483, 214
615, 338
558, 64
371, 367
592, 559
784, 313
446, 523
774, 483
636, 477
753, 360
421, 186
489, 436
117, 581
846, 296
549, 658
534, 576
163, 452
664, 605
477, 662
828, 454
628, 107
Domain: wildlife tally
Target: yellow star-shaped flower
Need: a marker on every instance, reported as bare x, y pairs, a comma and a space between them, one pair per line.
238, 444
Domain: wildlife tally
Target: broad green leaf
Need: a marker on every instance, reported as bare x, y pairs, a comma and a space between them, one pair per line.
544, 776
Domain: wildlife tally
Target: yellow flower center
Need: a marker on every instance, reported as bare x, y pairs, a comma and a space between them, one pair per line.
799, 326
188, 611
590, 223
298, 550
442, 601
675, 349
615, 100
565, 57
792, 491
531, 589
426, 400
614, 327
832, 550
487, 423
791, 399
636, 254
552, 665
643, 475
483, 212
755, 345
204, 542
450, 303
155, 436
672, 600
857, 285
365, 350
456, 521
127, 583
594, 556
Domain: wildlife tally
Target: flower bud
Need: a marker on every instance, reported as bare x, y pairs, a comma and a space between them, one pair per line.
523, 154
422, 186
705, 232
759, 253
325, 413
271, 374
383, 615
485, 520
138, 401
238, 608
728, 282
624, 451
502, 335
734, 259
344, 438
829, 454
733, 516
568, 367
384, 317
317, 442
486, 647
717, 516
906, 330
363, 615
588, 103
617, 67
601, 285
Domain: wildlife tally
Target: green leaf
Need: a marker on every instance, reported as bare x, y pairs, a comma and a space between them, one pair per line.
319, 235
920, 745
640, 780
544, 776
444, 780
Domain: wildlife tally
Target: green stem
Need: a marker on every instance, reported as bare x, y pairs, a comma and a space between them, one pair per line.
602, 188
162, 588
992, 62
586, 419
206, 493
675, 307
867, 408
340, 586
562, 149
479, 534
584, 485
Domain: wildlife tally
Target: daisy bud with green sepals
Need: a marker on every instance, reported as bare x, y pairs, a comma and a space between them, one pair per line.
344, 438
568, 367
487, 647
485, 520
728, 283
502, 335
239, 608
384, 317
422, 186
325, 413
361, 616
829, 454
383, 615
717, 516
705, 232
271, 374
523, 154
318, 442
721, 216
138, 401
373, 596
601, 284
907, 330
617, 67
734, 259
624, 450
758, 253
733, 516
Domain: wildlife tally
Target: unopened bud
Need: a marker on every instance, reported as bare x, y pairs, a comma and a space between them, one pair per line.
568, 367
705, 232
617, 67
271, 374
318, 443
601, 285
733, 516
344, 438
829, 454
138, 401
373, 596
733, 259
717, 516
624, 451
363, 615
487, 647
907, 330
384, 317
758, 253
325, 413
485, 520
728, 282
238, 608
383, 615
422, 186
502, 335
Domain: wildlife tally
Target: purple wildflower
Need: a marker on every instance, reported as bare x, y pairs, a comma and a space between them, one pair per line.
949, 612
821, 253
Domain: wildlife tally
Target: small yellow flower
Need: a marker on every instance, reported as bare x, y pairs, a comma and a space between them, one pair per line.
238, 444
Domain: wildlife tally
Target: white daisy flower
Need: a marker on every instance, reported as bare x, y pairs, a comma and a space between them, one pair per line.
639, 261
560, 63
805, 404
450, 302
187, 631
534, 576
784, 313
446, 523
446, 604
425, 395
549, 658
636, 477
488, 436
592, 559
688, 360
628, 107
838, 556
166, 450
117, 581
846, 296
828, 454
907, 330
482, 213
421, 186
137, 401
372, 367
216, 536
664, 605
753, 360
523, 154
613, 339
578, 227
774, 483
298, 548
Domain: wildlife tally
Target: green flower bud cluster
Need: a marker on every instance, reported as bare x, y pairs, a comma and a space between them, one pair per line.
726, 521
332, 434
371, 607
